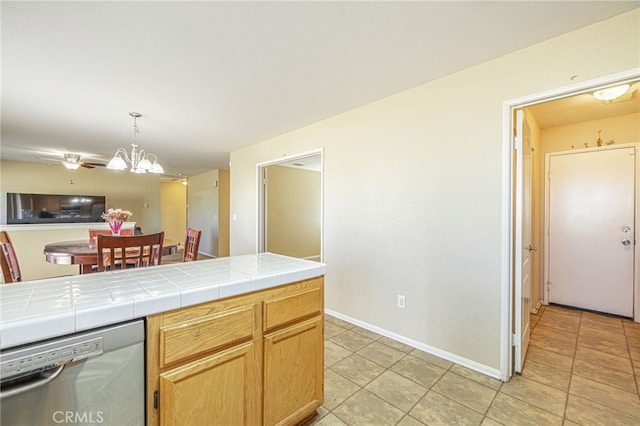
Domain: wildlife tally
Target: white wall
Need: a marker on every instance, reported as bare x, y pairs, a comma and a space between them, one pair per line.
413, 192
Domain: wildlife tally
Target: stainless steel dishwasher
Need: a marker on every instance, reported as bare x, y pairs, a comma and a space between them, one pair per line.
88, 378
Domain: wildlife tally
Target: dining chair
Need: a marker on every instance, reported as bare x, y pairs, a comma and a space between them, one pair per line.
191, 245
9, 260
93, 234
118, 252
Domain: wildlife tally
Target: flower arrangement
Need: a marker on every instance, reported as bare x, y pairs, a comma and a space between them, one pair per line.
116, 217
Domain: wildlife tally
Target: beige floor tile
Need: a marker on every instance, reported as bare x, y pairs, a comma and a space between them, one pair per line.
534, 393
336, 389
358, 369
328, 420
552, 309
465, 391
364, 408
546, 374
605, 359
586, 412
476, 377
634, 351
489, 422
554, 333
606, 395
351, 340
612, 332
395, 344
339, 322
602, 374
396, 390
433, 359
331, 329
560, 346
381, 354
409, 421
511, 411
598, 344
435, 409
421, 372
366, 333
550, 358
603, 322
334, 353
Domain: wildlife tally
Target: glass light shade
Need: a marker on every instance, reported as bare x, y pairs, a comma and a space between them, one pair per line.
144, 164
156, 168
71, 166
117, 163
610, 93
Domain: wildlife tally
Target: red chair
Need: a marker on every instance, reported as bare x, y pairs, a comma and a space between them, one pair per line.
9, 260
191, 245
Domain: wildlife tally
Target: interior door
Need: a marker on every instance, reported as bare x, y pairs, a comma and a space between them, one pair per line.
591, 236
523, 247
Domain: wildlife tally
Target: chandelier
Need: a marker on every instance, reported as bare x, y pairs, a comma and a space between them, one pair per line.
141, 162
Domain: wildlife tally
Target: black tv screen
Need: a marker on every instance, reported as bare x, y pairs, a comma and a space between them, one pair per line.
54, 208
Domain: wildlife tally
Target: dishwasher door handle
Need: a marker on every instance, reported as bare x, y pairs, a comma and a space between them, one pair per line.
45, 377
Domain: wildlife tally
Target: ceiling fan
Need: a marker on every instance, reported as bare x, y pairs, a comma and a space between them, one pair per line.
72, 162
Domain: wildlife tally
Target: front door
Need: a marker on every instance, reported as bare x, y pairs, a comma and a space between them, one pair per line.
590, 228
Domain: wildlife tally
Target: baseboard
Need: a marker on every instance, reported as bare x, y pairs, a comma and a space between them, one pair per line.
465, 362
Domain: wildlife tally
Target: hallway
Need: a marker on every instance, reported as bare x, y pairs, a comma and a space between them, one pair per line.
581, 369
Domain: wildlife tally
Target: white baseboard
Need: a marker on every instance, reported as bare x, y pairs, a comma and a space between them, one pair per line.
470, 364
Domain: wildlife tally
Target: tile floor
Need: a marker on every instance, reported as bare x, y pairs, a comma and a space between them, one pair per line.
581, 369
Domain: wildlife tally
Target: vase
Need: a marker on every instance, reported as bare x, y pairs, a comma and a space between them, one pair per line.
115, 226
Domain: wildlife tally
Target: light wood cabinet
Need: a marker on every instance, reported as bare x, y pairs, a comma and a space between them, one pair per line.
252, 359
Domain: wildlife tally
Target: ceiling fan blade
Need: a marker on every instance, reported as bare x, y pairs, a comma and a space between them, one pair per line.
87, 164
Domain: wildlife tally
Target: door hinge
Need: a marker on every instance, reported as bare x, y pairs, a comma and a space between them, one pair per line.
156, 399
514, 339
548, 285
517, 142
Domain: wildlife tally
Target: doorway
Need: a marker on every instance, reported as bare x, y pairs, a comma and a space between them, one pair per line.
513, 335
290, 206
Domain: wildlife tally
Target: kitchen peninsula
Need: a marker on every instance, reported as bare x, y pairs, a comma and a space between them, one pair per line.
232, 340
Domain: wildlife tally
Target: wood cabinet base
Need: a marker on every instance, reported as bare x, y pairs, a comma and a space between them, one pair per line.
249, 360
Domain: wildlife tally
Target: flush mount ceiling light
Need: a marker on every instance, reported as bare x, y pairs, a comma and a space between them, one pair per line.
141, 162
611, 93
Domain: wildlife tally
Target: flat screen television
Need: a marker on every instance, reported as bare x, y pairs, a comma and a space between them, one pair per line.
54, 208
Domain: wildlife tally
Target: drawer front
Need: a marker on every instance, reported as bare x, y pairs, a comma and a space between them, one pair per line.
286, 309
204, 334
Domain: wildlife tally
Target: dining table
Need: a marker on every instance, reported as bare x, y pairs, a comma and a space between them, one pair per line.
85, 254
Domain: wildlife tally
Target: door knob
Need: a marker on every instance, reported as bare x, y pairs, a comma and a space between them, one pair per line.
532, 248
626, 242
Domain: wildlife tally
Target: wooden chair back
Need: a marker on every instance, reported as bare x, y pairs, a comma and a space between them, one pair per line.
191, 245
116, 252
8, 260
93, 234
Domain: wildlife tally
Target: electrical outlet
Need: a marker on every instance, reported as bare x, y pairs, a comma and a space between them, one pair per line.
401, 301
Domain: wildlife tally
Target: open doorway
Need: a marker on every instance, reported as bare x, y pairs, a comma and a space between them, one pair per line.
557, 121
290, 206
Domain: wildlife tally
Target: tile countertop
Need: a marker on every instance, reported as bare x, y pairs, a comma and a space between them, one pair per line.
35, 310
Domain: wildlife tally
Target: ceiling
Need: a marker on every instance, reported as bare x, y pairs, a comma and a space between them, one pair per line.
213, 77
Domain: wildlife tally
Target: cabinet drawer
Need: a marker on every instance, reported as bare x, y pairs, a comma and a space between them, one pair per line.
207, 333
290, 308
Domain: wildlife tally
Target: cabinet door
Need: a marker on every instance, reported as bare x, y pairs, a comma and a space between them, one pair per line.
293, 372
216, 390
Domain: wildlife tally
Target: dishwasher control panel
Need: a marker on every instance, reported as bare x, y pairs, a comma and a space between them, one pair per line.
17, 364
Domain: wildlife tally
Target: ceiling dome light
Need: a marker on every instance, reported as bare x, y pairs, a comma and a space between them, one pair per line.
610, 93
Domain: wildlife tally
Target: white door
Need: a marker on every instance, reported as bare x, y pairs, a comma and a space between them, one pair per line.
523, 245
591, 235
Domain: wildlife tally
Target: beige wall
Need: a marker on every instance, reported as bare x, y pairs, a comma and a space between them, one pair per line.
173, 202
138, 193
413, 192
208, 210
293, 211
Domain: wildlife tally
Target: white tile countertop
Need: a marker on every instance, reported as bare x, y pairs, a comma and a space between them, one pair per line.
36, 310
